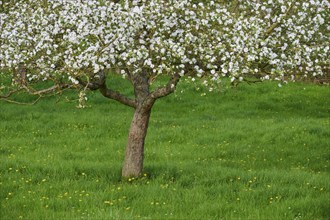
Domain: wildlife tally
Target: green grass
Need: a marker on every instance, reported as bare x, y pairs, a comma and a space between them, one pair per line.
251, 152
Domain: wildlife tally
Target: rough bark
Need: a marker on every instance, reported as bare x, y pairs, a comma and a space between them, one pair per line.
144, 100
133, 163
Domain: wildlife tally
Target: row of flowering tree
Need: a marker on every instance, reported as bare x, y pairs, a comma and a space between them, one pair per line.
76, 44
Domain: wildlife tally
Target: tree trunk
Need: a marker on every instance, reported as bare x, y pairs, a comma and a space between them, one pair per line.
133, 163
143, 102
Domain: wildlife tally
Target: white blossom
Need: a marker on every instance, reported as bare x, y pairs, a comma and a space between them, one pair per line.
165, 37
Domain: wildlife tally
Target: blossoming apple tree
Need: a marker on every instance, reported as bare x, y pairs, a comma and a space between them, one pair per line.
75, 44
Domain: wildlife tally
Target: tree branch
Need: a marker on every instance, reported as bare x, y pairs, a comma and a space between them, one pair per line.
99, 79
167, 89
10, 93
57, 87
100, 84
21, 103
32, 91
111, 94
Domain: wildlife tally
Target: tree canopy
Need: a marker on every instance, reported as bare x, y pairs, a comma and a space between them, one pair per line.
65, 40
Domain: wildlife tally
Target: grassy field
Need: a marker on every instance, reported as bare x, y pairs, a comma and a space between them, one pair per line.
251, 152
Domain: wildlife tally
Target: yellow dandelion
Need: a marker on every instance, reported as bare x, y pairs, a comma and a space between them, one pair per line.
108, 202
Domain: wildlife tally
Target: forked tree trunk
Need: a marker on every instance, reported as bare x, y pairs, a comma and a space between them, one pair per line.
133, 163
143, 102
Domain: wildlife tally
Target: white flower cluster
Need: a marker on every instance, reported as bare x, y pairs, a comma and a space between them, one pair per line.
68, 38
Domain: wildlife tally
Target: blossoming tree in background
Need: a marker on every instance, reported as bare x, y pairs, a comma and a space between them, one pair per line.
76, 44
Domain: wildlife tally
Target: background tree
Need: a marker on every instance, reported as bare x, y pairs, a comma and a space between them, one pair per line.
75, 44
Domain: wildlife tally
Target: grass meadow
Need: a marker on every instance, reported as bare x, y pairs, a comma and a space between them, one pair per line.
250, 152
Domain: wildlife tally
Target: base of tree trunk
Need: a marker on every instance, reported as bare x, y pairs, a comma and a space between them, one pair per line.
133, 163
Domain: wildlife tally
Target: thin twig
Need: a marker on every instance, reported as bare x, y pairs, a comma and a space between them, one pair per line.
21, 103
